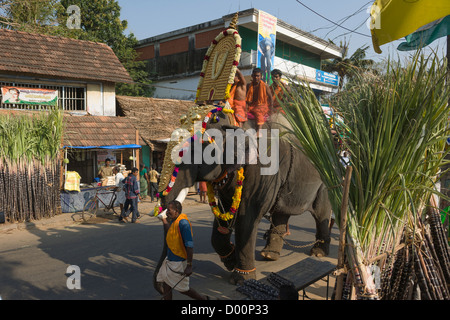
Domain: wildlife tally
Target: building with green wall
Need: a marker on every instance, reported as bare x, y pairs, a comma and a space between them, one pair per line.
175, 58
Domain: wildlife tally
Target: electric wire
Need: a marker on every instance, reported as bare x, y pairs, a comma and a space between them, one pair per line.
353, 31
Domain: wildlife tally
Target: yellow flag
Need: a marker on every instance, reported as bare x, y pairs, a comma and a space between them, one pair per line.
394, 19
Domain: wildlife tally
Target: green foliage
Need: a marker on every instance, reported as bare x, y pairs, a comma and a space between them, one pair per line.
395, 126
31, 137
348, 67
100, 22
17, 13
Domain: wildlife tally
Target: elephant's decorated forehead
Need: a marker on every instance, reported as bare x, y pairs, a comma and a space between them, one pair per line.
188, 123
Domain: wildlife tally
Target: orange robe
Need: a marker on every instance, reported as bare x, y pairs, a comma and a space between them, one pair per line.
239, 106
277, 94
258, 109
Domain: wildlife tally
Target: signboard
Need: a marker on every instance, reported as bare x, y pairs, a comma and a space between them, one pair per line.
327, 78
267, 29
34, 96
103, 155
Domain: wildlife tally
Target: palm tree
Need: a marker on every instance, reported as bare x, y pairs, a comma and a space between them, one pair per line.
345, 67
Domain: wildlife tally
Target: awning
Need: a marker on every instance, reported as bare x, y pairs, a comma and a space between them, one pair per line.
126, 146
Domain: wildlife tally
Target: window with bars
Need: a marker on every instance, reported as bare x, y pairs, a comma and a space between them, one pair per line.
69, 98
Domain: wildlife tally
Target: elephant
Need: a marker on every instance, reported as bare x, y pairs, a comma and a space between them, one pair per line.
296, 187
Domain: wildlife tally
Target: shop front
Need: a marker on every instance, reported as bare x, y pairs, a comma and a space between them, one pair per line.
89, 142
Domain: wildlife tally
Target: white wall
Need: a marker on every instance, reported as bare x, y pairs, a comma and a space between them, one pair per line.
181, 89
101, 99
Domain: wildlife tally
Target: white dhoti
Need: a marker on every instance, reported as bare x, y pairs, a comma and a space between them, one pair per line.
172, 273
121, 197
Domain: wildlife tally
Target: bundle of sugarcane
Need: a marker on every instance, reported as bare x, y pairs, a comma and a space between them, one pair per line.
395, 129
30, 165
397, 275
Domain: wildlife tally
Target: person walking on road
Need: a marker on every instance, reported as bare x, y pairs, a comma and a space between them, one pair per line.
119, 179
143, 182
203, 189
177, 266
131, 187
153, 175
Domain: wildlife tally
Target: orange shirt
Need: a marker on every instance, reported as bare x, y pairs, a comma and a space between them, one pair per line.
277, 94
262, 95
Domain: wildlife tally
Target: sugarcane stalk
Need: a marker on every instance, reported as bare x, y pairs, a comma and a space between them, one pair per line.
421, 277
405, 283
29, 149
441, 245
354, 252
435, 261
342, 233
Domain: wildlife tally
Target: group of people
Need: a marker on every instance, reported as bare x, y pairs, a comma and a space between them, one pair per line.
256, 100
148, 182
134, 190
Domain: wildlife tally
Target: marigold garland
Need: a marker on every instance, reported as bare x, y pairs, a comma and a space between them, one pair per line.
236, 199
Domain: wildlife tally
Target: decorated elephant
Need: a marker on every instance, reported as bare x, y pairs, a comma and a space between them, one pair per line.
245, 193
247, 179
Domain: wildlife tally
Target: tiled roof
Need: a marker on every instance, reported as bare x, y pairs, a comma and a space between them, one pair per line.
155, 119
58, 57
84, 131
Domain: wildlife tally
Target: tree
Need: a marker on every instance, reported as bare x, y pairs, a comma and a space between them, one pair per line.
345, 67
100, 22
30, 14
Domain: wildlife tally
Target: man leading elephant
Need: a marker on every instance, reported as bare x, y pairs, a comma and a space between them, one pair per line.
177, 266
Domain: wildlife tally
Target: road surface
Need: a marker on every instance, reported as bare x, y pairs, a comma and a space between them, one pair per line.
117, 260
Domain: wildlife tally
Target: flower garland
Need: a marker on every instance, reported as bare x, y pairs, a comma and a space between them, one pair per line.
197, 135
236, 199
237, 56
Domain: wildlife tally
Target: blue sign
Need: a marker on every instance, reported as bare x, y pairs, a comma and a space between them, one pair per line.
326, 77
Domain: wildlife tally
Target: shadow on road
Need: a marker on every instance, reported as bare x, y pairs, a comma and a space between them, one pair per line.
117, 260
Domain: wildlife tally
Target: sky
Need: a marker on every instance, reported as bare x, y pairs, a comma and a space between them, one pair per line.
147, 18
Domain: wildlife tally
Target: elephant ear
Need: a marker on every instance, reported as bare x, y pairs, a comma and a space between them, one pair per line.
240, 147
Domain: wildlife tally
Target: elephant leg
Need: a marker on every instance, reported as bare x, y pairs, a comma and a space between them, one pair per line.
274, 243
322, 215
245, 236
223, 246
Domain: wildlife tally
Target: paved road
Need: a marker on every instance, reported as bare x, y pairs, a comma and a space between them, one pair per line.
117, 260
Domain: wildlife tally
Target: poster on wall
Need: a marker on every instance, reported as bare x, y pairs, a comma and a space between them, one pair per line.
33, 96
267, 29
103, 155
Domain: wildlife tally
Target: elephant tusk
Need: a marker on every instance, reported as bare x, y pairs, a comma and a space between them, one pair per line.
182, 195
162, 215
